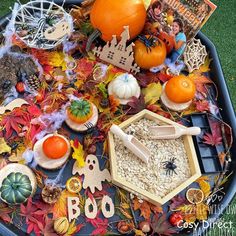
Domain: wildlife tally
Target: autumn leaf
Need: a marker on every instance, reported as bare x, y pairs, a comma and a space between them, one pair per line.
156, 108
4, 212
206, 66
222, 157
161, 226
144, 207
102, 88
202, 105
60, 207
147, 3
152, 93
145, 79
136, 105
14, 121
114, 103
78, 153
99, 224
202, 211
177, 201
200, 82
204, 185
73, 228
48, 229
164, 77
4, 148
212, 139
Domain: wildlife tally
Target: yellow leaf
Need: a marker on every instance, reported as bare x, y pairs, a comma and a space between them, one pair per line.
4, 148
152, 93
60, 207
124, 205
78, 154
202, 211
79, 83
147, 3
205, 186
206, 66
72, 228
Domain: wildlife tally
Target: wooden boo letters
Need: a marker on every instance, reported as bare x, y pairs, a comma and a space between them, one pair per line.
74, 209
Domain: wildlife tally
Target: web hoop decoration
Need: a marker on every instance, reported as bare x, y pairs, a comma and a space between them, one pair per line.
42, 24
194, 55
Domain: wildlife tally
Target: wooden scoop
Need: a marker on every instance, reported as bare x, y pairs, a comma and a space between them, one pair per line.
132, 143
172, 132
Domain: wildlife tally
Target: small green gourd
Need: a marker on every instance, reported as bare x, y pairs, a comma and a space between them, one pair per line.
16, 188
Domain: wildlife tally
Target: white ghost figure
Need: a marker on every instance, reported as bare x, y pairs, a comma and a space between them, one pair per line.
93, 176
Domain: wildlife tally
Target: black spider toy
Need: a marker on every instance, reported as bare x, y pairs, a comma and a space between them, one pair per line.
170, 166
149, 41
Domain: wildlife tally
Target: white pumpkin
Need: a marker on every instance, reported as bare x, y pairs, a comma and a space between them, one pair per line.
123, 87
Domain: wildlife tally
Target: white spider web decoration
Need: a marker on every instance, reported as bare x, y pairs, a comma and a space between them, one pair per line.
39, 17
194, 55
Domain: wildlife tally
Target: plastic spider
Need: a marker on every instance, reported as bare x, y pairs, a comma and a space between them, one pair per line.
149, 41
170, 166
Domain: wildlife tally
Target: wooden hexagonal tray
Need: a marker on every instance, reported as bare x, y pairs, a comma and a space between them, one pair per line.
188, 146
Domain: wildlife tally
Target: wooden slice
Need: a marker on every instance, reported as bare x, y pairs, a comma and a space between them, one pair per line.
15, 167
48, 163
92, 122
179, 107
15, 103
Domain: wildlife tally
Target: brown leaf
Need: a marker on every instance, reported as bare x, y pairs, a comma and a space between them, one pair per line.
144, 207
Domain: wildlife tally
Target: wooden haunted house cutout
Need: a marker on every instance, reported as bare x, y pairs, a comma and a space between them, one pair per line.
117, 53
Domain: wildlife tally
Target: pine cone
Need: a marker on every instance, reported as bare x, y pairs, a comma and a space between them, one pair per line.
33, 83
51, 194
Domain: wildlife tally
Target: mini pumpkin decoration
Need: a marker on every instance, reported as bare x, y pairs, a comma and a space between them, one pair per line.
17, 183
177, 93
109, 17
52, 151
61, 225
82, 115
124, 87
80, 111
149, 52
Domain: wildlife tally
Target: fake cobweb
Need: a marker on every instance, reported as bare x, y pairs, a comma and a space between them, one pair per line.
36, 18
194, 55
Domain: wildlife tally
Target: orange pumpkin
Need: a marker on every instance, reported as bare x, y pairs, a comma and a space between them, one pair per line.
55, 147
110, 16
149, 52
180, 89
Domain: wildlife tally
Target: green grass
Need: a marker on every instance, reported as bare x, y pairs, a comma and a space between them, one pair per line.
221, 30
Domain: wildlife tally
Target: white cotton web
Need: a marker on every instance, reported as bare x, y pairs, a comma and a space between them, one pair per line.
42, 24
194, 55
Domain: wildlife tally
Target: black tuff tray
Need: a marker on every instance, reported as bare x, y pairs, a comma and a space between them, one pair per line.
227, 114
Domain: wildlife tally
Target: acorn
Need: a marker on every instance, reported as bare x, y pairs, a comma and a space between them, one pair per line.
145, 226
61, 225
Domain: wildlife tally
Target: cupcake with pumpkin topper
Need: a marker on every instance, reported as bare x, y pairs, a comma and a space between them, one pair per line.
52, 151
81, 115
177, 93
124, 87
